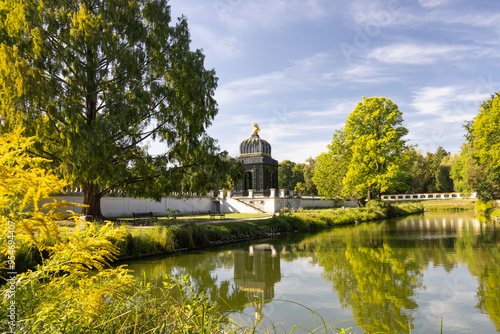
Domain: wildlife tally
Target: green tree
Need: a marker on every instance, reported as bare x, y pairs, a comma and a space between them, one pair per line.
95, 81
309, 185
485, 136
368, 154
298, 177
331, 168
285, 174
425, 173
417, 172
298, 172
291, 175
466, 172
428, 174
440, 174
375, 131
444, 182
477, 169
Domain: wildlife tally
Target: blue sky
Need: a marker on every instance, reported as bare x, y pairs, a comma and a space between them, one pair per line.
299, 67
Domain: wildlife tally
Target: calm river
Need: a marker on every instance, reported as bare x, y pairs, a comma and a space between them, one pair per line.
373, 277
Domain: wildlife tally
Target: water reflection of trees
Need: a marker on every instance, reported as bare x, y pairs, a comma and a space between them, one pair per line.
375, 270
482, 255
375, 280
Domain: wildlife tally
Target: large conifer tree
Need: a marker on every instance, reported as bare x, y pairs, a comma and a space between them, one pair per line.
95, 80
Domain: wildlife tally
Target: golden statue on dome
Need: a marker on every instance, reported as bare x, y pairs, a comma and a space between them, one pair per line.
255, 128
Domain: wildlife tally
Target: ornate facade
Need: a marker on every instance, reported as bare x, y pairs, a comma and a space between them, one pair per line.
261, 169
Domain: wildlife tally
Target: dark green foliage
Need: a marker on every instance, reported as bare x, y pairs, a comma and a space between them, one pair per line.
27, 257
139, 242
191, 235
429, 173
96, 82
378, 205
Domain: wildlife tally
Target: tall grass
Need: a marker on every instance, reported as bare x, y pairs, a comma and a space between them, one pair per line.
172, 308
139, 242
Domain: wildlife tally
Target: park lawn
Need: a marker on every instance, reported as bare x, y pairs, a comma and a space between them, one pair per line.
449, 204
206, 217
180, 219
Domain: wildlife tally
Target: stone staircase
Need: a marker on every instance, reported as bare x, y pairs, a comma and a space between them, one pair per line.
245, 204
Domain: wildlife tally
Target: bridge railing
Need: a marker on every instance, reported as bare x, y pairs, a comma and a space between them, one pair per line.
414, 197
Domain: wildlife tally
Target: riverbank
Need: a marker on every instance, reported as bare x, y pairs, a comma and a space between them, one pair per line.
488, 211
160, 240
199, 232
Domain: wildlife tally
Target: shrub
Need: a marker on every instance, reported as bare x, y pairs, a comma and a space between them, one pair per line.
484, 207
191, 235
378, 206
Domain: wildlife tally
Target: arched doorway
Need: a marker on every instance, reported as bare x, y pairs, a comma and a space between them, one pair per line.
248, 181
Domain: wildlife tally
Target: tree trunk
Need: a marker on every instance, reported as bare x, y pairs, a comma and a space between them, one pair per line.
92, 198
369, 195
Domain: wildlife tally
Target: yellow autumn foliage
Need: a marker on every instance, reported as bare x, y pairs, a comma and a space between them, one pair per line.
72, 279
74, 289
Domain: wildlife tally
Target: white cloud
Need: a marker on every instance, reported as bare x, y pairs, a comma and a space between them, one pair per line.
448, 103
375, 13
244, 15
434, 100
419, 54
404, 14
239, 90
216, 44
304, 74
433, 3
369, 73
336, 108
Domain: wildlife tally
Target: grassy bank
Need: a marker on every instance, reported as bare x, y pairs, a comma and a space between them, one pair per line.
188, 233
449, 204
143, 242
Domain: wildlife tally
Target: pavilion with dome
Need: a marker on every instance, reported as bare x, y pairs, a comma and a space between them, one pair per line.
261, 175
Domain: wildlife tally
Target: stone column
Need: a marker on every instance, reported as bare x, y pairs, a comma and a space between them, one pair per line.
250, 193
299, 194
221, 194
282, 193
290, 193
229, 193
272, 192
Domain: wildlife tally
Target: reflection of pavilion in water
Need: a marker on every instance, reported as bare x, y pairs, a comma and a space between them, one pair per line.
255, 272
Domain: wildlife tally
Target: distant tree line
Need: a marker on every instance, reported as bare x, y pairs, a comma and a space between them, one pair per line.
297, 176
370, 157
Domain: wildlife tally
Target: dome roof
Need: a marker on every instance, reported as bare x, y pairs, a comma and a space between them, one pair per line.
255, 146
